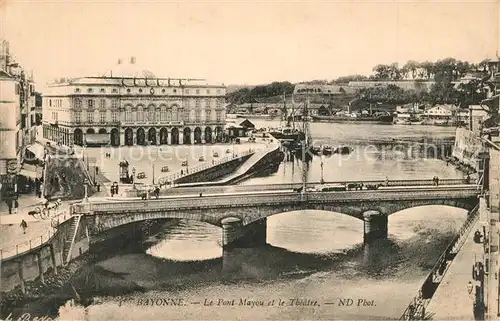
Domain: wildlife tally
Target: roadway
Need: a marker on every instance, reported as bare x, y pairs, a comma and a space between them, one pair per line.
228, 189
283, 195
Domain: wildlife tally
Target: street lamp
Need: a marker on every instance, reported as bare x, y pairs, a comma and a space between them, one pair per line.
322, 181
86, 184
153, 173
133, 177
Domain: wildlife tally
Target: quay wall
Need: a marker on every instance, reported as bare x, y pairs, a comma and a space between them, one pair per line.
29, 266
467, 147
214, 172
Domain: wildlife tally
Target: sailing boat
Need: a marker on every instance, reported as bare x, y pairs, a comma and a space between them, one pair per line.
289, 131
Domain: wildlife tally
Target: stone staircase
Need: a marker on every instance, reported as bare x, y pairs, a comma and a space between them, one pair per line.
70, 240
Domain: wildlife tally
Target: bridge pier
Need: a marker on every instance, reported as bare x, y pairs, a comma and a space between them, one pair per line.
375, 226
235, 235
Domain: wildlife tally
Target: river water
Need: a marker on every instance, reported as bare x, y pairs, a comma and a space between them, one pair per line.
311, 255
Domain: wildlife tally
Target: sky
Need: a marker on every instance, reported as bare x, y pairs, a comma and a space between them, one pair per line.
244, 42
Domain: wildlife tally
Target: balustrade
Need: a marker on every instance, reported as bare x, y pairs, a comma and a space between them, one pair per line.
216, 201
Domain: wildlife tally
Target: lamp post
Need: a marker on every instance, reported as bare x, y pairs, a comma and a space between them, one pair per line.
133, 177
233, 147
322, 181
153, 173
85, 185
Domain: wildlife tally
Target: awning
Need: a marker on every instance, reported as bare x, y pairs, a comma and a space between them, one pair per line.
38, 150
30, 171
100, 139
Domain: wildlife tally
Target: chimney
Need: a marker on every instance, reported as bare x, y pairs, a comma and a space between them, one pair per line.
132, 60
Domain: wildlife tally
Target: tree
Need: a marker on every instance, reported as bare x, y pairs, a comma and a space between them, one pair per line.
382, 72
411, 67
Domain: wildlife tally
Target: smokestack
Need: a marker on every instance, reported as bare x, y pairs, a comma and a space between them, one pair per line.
132, 60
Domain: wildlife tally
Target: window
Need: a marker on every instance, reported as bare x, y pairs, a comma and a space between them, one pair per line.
198, 103
218, 114
140, 114
128, 90
102, 116
218, 91
17, 89
208, 115
78, 103
114, 90
197, 91
102, 103
198, 116
89, 90
208, 91
102, 90
50, 102
77, 90
219, 103
78, 116
175, 90
90, 116
207, 103
169, 114
163, 91
187, 91
140, 90
114, 116
114, 104
128, 115
90, 103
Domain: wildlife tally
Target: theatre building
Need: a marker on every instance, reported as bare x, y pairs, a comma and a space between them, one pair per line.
131, 106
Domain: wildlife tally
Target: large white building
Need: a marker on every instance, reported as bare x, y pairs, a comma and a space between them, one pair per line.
129, 106
17, 118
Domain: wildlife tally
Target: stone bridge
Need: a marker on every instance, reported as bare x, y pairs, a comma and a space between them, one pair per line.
244, 212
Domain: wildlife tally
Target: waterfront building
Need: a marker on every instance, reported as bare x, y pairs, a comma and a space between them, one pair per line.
17, 123
440, 112
131, 106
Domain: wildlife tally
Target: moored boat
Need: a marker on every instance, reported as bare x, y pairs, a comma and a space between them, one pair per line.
384, 119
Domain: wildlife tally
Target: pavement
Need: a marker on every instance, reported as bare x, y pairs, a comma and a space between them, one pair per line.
11, 233
452, 301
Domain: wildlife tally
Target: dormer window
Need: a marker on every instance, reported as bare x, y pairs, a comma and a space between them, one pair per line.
89, 90
114, 90
77, 90
128, 90
175, 90
163, 91
102, 90
140, 90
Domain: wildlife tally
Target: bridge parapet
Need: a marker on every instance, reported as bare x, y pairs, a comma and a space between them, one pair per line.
273, 199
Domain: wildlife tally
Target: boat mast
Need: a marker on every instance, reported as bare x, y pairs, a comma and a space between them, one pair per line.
293, 113
305, 143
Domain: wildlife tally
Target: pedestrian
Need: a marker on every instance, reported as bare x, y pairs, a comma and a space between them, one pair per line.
9, 204
437, 181
201, 194
116, 189
16, 205
24, 226
386, 181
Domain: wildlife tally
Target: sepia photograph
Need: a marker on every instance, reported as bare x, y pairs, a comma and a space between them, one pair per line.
249, 160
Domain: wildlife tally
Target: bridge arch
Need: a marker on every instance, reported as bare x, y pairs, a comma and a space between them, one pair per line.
251, 214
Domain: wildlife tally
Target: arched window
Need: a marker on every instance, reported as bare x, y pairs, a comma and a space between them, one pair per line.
140, 113
151, 112
128, 113
163, 113
78, 103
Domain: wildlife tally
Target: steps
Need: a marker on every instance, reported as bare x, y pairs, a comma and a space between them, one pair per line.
70, 240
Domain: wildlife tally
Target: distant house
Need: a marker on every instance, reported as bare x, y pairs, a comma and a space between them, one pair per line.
248, 125
234, 131
440, 111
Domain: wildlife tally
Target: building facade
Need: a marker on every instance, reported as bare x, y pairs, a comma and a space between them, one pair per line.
130, 106
17, 120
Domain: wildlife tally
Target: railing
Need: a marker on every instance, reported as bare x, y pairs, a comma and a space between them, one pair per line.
416, 308
192, 170
228, 200
26, 246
